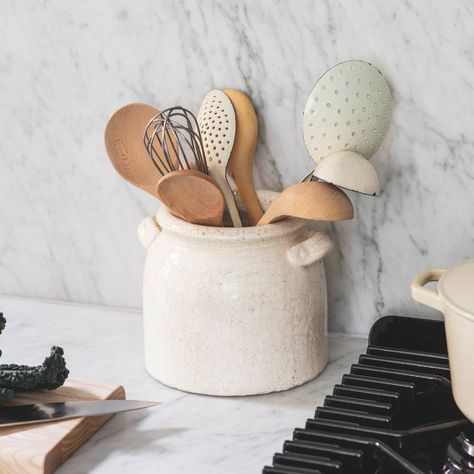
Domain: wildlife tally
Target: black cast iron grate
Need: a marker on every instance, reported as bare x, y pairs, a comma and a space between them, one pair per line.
393, 413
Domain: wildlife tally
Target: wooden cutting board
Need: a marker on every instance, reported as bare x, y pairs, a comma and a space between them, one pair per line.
40, 449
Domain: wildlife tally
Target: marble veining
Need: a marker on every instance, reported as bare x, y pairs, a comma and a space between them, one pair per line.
68, 221
187, 433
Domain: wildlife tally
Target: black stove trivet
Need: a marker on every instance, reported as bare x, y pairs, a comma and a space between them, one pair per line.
393, 413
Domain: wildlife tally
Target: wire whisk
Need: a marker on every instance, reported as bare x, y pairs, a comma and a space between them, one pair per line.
173, 141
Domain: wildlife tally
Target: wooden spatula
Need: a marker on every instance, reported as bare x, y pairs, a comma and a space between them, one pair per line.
124, 143
240, 165
192, 196
316, 201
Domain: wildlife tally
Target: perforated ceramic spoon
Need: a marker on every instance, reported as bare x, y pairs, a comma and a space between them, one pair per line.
240, 165
124, 144
192, 196
216, 120
348, 109
316, 201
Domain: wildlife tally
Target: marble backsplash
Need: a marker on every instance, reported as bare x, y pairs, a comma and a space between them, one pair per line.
68, 221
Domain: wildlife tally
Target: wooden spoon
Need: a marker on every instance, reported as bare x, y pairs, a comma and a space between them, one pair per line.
240, 165
316, 201
124, 143
192, 196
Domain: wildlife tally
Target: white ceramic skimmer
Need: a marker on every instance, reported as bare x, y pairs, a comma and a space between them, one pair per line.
348, 109
216, 120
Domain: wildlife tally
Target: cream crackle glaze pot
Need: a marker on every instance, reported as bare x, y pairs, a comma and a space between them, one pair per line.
455, 298
234, 311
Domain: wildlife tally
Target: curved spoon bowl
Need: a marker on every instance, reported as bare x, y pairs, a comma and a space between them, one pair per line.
350, 171
315, 201
192, 196
124, 144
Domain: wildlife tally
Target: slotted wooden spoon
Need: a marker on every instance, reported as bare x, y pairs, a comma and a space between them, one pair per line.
192, 196
124, 144
315, 201
240, 166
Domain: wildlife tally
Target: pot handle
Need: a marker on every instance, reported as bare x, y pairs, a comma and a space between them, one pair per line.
314, 248
423, 295
147, 230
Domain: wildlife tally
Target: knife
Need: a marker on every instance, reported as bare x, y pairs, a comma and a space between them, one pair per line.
16, 415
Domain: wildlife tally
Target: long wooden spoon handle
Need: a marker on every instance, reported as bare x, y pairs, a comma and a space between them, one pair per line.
216, 173
249, 197
240, 165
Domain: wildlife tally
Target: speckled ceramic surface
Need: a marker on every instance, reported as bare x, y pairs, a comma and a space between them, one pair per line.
231, 311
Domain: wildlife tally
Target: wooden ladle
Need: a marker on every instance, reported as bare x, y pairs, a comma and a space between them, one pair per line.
124, 143
192, 196
240, 166
316, 201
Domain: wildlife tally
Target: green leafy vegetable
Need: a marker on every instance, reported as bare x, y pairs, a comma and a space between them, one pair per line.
49, 375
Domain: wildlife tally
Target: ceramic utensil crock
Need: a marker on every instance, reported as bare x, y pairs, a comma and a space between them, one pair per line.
234, 311
455, 298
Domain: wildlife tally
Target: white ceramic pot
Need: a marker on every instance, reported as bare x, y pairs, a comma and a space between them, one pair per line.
455, 298
234, 311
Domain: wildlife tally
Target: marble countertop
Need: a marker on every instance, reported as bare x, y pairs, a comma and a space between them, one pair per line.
188, 433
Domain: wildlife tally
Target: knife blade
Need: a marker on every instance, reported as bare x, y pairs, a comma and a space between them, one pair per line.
16, 415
